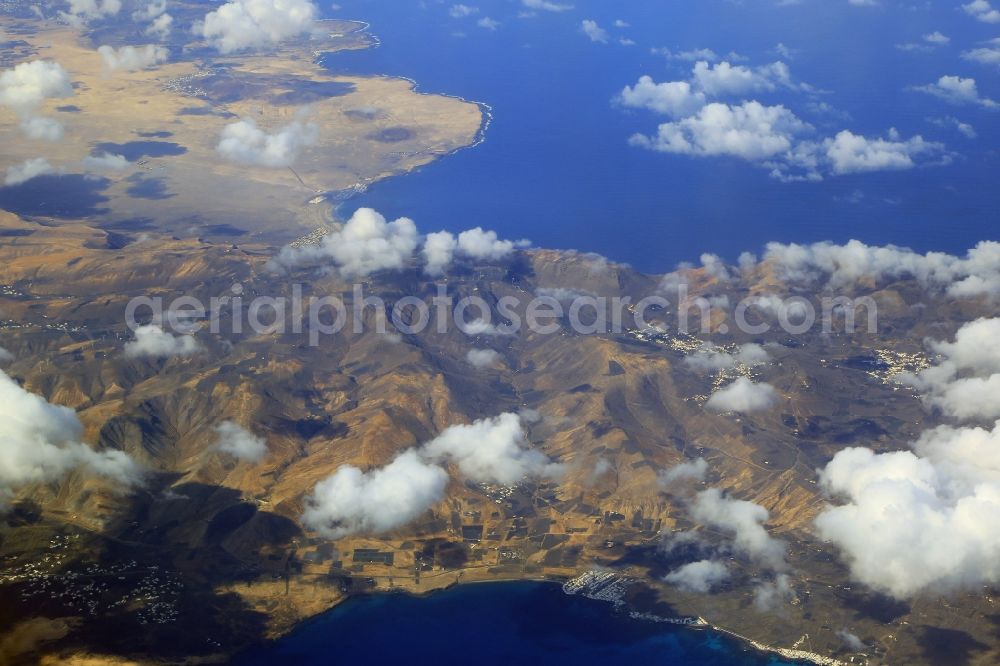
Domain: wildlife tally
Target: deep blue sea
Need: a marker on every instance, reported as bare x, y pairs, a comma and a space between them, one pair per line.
495, 624
556, 166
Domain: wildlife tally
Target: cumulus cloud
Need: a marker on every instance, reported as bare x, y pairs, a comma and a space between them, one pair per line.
770, 136
701, 577
673, 98
745, 520
462, 11
159, 21
133, 58
441, 248
682, 473
743, 395
724, 79
487, 451
964, 383
547, 5
956, 90
366, 244
239, 25
153, 342
482, 358
240, 443
919, 521
25, 87
593, 31
750, 131
82, 11
106, 161
41, 442
41, 128
711, 358
160, 26
982, 10
352, 501
22, 173
851, 153
492, 450
986, 55
245, 143
975, 274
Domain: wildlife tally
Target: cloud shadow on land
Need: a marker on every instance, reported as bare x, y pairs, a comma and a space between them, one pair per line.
193, 538
56, 195
135, 150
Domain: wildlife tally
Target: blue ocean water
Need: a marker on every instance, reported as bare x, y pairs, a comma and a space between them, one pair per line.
556, 166
495, 623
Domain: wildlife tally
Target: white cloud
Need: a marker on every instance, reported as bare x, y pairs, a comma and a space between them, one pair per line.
132, 58
239, 25
82, 11
770, 136
769, 596
5, 356
152, 341
682, 473
546, 5
106, 161
914, 523
851, 153
462, 11
746, 522
965, 382
724, 79
366, 244
239, 442
593, 31
486, 451
986, 55
352, 501
160, 27
852, 641
484, 245
492, 450
743, 395
25, 87
956, 90
243, 142
482, 358
692, 55
22, 173
41, 128
750, 131
487, 23
950, 122
675, 98
441, 248
975, 274
713, 359
928, 519
150, 10
701, 577
40, 442
937, 38
982, 10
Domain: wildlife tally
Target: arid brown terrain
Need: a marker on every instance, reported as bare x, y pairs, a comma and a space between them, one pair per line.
221, 543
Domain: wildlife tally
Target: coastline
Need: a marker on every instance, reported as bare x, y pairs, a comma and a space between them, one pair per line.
619, 606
